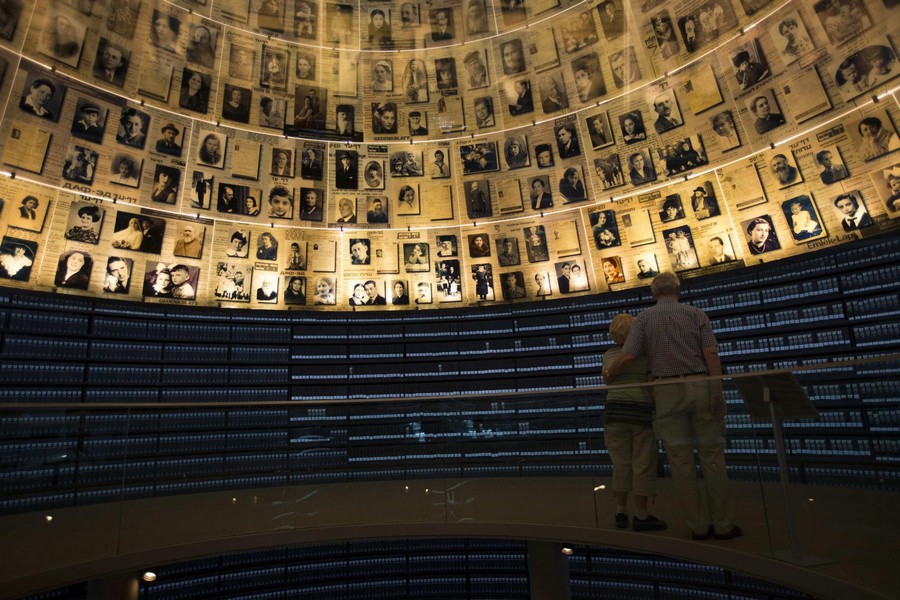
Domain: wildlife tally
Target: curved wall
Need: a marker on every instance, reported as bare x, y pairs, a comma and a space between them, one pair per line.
181, 100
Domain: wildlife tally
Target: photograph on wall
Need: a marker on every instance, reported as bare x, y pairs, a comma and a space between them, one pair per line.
765, 108
719, 249
266, 283
613, 271
519, 97
577, 32
479, 158
417, 123
701, 87
85, 220
296, 258
201, 45
609, 171
408, 201
170, 140
445, 73
612, 18
476, 71
749, 63
237, 199
664, 105
803, 218
886, 182
664, 31
416, 258
133, 127
706, 24
270, 16
133, 231
791, 37
266, 247
725, 129
80, 164
507, 251
111, 62
42, 95
238, 244
240, 62
483, 108
324, 291
646, 265
386, 256
447, 246
478, 200
831, 163
212, 149
29, 213
73, 270
641, 170
294, 290
604, 229
312, 203
680, 247
625, 68
273, 68
89, 121
632, 127
448, 281
377, 210
280, 202
866, 69
117, 279
166, 181
589, 83
479, 245
311, 163
450, 117
236, 10
422, 291
509, 196
539, 191
874, 135
683, 155
26, 147
183, 280
281, 163
842, 21
125, 169
571, 186
483, 276
406, 164
599, 130
121, 17
346, 210
373, 175
515, 152
63, 34
310, 108
233, 281
16, 258
571, 276
783, 168
761, 235
671, 209
851, 210
189, 242
360, 251
542, 284
166, 32
346, 169
513, 285
704, 202
383, 75
236, 103
536, 244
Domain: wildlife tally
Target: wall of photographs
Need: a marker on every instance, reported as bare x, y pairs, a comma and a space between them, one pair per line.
278, 153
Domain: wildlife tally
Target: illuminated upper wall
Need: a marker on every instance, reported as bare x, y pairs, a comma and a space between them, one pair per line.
213, 153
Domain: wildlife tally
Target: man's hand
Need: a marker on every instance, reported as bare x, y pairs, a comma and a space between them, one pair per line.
717, 406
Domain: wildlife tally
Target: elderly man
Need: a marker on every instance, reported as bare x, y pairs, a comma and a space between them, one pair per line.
190, 244
678, 341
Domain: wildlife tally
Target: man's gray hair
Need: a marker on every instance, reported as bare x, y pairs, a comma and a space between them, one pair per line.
665, 284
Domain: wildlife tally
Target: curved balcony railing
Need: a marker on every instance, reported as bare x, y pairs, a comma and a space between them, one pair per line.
520, 465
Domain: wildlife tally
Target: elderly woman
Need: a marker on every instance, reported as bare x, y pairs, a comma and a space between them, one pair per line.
629, 435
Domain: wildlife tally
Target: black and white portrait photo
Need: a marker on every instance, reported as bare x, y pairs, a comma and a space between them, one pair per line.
42, 96
803, 218
63, 34
111, 63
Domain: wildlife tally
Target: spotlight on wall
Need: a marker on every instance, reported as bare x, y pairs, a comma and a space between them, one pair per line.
599, 487
48, 518
149, 576
567, 551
